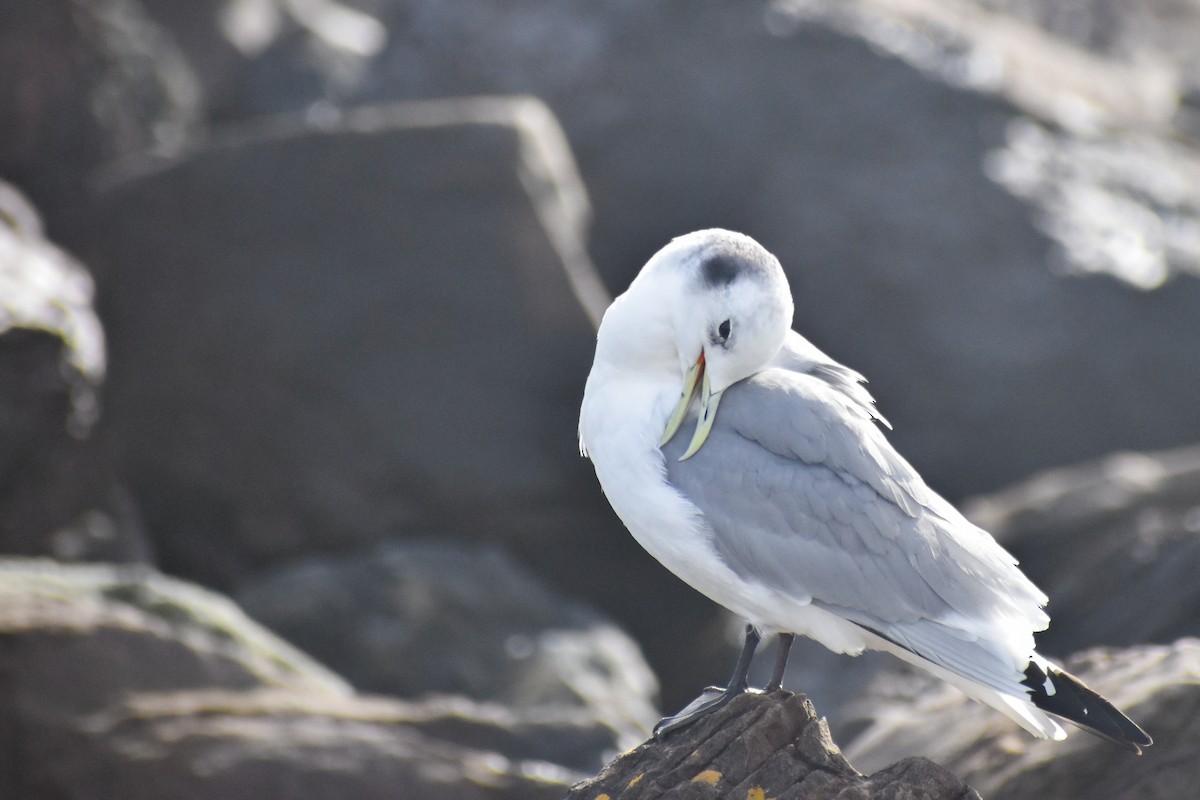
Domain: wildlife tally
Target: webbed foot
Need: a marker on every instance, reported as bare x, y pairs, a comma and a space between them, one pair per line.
711, 699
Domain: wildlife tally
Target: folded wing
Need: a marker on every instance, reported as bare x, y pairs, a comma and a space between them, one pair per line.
804, 494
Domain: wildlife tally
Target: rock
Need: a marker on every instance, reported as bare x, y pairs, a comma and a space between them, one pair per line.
60, 495
243, 745
1150, 34
289, 56
84, 83
371, 328
1113, 543
761, 746
134, 631
1157, 685
137, 631
202, 32
941, 286
1110, 171
436, 616
181, 694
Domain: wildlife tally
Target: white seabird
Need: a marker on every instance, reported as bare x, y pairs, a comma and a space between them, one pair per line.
788, 505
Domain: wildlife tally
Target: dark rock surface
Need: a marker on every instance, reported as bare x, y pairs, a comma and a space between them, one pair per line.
1157, 685
434, 616
84, 83
761, 746
59, 491
396, 336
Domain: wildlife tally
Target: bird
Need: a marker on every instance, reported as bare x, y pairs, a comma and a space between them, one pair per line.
789, 506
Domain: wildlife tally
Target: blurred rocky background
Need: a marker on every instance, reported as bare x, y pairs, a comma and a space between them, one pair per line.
297, 300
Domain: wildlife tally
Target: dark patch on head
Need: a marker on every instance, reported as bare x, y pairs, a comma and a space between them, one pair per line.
720, 270
723, 258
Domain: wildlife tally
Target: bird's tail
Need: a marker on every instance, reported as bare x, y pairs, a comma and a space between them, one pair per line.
1058, 692
1046, 691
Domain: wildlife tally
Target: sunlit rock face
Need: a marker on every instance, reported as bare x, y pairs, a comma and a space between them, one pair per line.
1105, 150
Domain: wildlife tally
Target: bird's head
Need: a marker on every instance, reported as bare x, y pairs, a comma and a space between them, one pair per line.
727, 308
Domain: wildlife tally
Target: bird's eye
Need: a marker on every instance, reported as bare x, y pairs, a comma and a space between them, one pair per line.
723, 330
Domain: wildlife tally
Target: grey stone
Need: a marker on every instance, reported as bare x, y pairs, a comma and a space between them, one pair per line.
120, 682
331, 335
428, 616
59, 492
1161, 32
137, 630
84, 83
1110, 170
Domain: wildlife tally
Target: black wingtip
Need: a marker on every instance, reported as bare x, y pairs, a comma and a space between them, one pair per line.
1064, 695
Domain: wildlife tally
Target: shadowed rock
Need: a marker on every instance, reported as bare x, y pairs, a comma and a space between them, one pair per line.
411, 618
83, 83
394, 303
58, 489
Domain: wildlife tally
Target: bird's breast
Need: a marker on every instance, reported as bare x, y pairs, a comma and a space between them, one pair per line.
621, 425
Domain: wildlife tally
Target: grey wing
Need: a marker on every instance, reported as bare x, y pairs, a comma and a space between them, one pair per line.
804, 494
800, 355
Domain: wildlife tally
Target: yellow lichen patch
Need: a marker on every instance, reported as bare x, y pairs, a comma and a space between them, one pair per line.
756, 793
603, 797
709, 776
635, 781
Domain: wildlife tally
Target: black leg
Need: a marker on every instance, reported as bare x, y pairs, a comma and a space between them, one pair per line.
714, 697
739, 680
781, 659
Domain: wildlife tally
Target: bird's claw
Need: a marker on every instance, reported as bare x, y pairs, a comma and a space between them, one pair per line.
713, 698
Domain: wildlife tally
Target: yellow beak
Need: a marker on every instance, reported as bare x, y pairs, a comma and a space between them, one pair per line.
708, 412
708, 409
690, 381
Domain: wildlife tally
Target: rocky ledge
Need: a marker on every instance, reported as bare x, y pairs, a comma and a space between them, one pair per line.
760, 746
